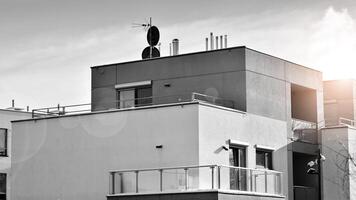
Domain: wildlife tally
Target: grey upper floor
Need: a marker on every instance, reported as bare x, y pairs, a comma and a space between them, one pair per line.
253, 81
339, 100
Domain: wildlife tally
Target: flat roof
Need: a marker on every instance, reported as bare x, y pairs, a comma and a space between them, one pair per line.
201, 52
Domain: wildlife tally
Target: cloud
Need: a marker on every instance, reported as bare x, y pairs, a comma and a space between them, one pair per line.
51, 69
332, 45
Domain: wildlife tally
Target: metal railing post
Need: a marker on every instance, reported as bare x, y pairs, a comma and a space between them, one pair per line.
212, 176
161, 180
186, 178
112, 182
218, 174
251, 181
136, 172
265, 181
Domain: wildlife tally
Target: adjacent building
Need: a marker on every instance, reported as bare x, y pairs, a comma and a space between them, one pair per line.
6, 116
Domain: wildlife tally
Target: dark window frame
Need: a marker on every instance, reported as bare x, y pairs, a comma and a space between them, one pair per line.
137, 102
3, 188
4, 151
237, 175
267, 158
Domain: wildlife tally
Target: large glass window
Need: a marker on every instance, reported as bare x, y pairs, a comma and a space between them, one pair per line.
263, 159
2, 186
237, 158
134, 97
3, 142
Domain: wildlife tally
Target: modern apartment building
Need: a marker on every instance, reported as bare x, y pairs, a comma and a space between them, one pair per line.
228, 123
6, 116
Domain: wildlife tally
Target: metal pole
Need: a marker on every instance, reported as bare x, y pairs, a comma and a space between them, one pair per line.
150, 37
136, 181
251, 181
218, 177
212, 176
225, 41
221, 42
265, 181
217, 42
112, 182
211, 41
161, 180
186, 178
206, 44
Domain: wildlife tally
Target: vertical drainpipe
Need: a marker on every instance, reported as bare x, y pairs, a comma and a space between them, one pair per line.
217, 42
211, 41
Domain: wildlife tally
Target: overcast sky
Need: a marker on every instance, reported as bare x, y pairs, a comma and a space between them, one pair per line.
48, 46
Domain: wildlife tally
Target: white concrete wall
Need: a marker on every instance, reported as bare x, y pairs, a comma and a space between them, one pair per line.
69, 157
6, 116
217, 126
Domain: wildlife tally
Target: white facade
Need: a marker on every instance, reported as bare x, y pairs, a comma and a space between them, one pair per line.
69, 157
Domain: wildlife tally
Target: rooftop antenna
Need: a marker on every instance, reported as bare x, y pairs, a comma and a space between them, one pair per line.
152, 38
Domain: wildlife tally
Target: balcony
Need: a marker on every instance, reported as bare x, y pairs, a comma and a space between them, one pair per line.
190, 179
304, 131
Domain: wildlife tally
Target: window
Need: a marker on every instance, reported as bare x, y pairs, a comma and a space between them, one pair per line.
3, 142
2, 186
134, 97
263, 158
237, 158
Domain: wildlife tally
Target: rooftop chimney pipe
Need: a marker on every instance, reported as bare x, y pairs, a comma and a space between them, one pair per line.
211, 41
225, 41
175, 44
206, 44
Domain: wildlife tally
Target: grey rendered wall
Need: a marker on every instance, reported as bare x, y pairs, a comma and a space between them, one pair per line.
268, 82
219, 73
268, 92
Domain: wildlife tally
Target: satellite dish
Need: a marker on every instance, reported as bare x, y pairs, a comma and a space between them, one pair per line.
153, 36
146, 52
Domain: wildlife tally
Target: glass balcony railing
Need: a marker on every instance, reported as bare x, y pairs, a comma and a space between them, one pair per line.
305, 131
194, 178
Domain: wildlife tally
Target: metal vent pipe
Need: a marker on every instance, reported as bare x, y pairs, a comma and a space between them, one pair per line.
206, 44
225, 41
211, 41
175, 44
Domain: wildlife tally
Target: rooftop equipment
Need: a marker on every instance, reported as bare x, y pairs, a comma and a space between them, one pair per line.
175, 47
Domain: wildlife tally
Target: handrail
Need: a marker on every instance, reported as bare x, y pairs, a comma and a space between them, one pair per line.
350, 122
236, 178
161, 168
127, 103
